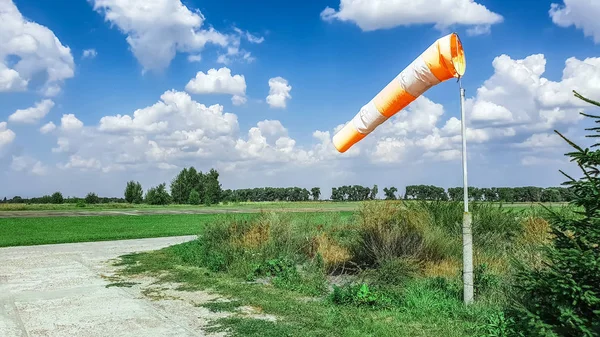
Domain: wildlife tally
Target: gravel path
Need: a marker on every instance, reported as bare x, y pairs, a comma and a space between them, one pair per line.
60, 290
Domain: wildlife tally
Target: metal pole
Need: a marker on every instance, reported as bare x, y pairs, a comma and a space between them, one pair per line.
466, 228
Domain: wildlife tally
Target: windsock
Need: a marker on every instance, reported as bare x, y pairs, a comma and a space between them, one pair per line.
442, 61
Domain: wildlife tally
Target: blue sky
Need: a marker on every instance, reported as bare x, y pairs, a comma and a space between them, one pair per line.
323, 65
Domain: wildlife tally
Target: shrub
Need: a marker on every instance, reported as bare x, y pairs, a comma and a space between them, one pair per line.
92, 198
194, 198
562, 296
388, 230
395, 272
360, 295
81, 203
266, 246
57, 198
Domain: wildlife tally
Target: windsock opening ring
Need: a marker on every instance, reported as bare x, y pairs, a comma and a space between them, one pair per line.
443, 60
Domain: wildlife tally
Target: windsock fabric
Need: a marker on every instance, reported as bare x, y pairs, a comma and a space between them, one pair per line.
442, 61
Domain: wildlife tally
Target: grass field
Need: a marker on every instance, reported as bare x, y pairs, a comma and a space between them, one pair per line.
47, 230
230, 206
318, 205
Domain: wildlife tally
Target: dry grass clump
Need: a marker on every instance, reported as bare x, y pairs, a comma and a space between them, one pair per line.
387, 231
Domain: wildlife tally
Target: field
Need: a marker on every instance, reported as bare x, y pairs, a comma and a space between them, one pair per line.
20, 231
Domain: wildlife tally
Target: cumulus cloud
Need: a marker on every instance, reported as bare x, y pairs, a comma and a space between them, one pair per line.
6, 135
518, 96
47, 128
219, 82
69, 122
84, 164
37, 50
382, 14
540, 141
89, 53
33, 114
157, 30
279, 92
583, 14
28, 165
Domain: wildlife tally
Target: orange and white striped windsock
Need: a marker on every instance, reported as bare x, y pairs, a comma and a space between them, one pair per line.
442, 61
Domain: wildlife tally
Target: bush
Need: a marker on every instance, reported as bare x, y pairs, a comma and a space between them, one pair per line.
562, 296
194, 198
266, 246
360, 295
388, 230
92, 198
395, 272
158, 195
57, 198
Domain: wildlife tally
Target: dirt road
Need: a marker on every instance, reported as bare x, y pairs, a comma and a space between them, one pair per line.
60, 290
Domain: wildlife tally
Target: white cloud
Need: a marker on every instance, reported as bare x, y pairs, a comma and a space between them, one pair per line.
84, 164
195, 58
381, 14
6, 135
234, 52
238, 100
176, 112
69, 122
89, 53
63, 145
47, 128
39, 169
518, 97
539, 141
29, 165
279, 92
51, 90
156, 30
583, 14
33, 114
219, 82
38, 50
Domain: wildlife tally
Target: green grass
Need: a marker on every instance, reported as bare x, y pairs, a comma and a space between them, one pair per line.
423, 311
229, 206
49, 230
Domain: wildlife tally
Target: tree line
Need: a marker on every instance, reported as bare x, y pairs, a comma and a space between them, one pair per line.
194, 187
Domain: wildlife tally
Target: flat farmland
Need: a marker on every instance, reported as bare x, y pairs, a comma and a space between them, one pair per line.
22, 231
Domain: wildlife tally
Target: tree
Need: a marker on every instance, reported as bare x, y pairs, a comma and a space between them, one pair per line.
194, 198
316, 193
180, 187
134, 192
158, 195
374, 192
562, 297
551, 195
92, 198
390, 193
57, 198
212, 187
